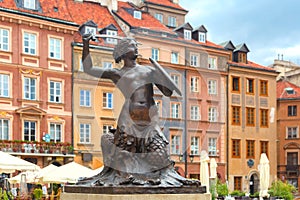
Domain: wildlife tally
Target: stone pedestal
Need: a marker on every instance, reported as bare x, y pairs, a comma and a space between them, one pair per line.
80, 196
135, 193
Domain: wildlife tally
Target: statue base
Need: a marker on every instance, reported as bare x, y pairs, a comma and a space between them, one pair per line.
78, 192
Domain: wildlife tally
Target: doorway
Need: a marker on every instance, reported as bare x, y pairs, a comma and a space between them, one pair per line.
254, 182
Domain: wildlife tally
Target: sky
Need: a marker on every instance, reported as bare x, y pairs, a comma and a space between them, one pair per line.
267, 27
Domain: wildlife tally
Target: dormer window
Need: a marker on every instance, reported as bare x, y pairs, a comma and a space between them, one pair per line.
159, 17
137, 14
91, 30
202, 37
187, 34
30, 4
290, 90
111, 40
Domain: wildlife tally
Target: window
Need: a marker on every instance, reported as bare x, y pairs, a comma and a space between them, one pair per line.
175, 110
292, 110
292, 159
30, 4
171, 21
4, 129
236, 147
202, 37
106, 128
264, 117
107, 100
4, 85
264, 147
55, 48
55, 91
212, 62
85, 133
195, 145
85, 98
235, 84
29, 45
4, 39
250, 86
187, 35
212, 146
236, 115
30, 130
137, 14
175, 79
159, 17
264, 88
111, 40
195, 114
250, 116
212, 114
29, 88
91, 30
155, 54
194, 84
174, 58
242, 57
194, 60
292, 132
212, 87
55, 132
238, 183
175, 144
250, 148
107, 65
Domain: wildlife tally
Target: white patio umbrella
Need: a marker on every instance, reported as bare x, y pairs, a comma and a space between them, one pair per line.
204, 173
9, 164
68, 173
213, 168
31, 177
264, 175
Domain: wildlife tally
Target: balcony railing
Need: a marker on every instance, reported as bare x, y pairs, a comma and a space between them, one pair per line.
19, 146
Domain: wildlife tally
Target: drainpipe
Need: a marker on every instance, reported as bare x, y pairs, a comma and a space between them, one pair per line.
227, 124
185, 126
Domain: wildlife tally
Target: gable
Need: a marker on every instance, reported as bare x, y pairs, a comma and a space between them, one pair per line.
30, 110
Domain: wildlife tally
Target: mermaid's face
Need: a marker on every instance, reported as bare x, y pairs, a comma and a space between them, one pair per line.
132, 50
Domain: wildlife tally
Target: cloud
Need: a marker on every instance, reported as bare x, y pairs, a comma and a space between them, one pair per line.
267, 27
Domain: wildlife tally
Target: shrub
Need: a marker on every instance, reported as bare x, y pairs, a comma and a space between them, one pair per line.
38, 193
222, 189
283, 190
237, 193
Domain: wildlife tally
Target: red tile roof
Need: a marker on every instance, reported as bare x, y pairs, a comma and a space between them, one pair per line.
167, 3
147, 21
71, 11
282, 93
251, 65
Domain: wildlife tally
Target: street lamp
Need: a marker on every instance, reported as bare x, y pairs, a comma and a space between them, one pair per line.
184, 156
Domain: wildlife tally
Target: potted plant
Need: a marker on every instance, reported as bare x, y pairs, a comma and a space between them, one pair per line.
237, 194
38, 193
222, 190
281, 190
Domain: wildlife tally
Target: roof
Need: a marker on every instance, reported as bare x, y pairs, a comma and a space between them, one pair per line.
282, 87
147, 21
251, 65
166, 3
69, 10
186, 26
201, 29
228, 45
242, 47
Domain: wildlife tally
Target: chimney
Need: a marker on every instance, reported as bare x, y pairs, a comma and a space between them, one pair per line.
78, 1
114, 5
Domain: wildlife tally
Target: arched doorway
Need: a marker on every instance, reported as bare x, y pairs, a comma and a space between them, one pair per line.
254, 182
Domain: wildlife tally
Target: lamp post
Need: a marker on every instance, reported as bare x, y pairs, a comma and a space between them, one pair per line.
185, 156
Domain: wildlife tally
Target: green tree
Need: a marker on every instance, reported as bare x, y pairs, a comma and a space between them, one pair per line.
283, 190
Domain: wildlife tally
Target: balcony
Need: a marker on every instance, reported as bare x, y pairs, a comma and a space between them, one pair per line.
34, 147
292, 170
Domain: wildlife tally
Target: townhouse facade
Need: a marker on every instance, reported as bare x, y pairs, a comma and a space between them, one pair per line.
288, 103
251, 119
36, 82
